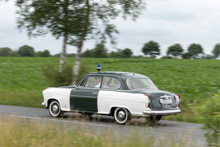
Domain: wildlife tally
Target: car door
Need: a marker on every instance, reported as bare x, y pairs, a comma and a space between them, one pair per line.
84, 97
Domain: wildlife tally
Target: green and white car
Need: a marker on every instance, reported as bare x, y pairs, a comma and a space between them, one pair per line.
122, 95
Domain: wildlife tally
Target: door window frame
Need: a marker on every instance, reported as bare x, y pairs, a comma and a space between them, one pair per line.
86, 78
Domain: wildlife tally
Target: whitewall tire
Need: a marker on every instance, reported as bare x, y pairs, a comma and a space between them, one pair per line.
122, 115
54, 108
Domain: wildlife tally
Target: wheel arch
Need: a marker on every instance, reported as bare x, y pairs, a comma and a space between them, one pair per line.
50, 100
112, 110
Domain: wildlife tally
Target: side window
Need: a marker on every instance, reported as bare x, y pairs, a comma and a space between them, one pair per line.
92, 82
111, 83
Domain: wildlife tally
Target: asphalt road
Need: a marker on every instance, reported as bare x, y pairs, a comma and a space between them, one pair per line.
170, 129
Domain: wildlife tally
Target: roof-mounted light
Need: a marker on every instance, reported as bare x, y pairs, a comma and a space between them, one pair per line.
98, 67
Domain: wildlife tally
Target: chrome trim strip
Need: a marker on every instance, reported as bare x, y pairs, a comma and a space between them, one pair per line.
165, 112
83, 96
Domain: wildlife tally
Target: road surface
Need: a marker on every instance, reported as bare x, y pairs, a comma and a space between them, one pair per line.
177, 130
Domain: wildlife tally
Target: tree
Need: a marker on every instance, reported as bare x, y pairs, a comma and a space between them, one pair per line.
4, 51
175, 50
151, 48
26, 51
71, 55
216, 50
187, 55
42, 16
113, 54
56, 55
101, 12
88, 53
100, 51
76, 21
45, 53
195, 49
126, 53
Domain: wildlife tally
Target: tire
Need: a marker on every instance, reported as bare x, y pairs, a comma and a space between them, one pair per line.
122, 115
153, 119
54, 109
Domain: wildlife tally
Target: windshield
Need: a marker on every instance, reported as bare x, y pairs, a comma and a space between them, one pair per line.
135, 83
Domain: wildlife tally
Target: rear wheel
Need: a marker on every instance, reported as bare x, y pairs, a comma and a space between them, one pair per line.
153, 119
54, 108
122, 115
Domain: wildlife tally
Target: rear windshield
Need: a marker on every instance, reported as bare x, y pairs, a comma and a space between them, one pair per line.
135, 83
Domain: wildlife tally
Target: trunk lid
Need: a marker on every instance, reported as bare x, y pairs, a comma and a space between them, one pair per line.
161, 100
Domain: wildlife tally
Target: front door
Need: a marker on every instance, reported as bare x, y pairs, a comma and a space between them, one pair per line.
84, 97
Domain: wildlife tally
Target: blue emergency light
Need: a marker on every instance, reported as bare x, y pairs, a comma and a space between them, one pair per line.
98, 67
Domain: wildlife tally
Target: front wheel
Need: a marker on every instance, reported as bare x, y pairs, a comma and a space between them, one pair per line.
153, 119
122, 115
54, 109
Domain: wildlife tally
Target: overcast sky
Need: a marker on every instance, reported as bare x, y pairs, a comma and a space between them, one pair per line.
164, 21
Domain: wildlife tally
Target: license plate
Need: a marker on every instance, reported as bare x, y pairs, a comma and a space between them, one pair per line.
163, 101
166, 105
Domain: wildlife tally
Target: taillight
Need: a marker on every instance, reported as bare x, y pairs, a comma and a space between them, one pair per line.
148, 105
179, 96
147, 96
47, 87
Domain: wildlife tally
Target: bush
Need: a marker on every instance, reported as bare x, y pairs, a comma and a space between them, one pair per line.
13, 54
56, 79
209, 114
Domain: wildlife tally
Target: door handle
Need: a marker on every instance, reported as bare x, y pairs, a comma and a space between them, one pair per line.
94, 93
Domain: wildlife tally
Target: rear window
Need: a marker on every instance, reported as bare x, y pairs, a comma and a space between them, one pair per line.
136, 83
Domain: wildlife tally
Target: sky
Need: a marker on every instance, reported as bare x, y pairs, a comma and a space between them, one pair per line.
165, 21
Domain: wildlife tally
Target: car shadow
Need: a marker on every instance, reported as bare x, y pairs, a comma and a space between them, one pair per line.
109, 120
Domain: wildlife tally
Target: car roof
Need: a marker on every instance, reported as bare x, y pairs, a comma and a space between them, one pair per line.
116, 73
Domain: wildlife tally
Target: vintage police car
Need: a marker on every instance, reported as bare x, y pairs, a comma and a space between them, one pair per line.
121, 94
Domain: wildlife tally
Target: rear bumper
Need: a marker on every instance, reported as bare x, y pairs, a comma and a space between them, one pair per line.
165, 112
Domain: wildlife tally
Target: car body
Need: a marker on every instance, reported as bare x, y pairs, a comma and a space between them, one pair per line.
121, 94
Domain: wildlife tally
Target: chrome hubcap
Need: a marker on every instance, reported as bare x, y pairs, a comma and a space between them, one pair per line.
55, 109
121, 115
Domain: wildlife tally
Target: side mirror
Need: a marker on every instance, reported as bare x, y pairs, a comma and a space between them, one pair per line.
73, 86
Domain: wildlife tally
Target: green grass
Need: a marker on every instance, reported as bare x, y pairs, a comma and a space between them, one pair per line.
22, 132
22, 81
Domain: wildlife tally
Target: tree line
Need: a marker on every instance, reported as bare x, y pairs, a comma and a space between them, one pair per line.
23, 51
193, 51
150, 48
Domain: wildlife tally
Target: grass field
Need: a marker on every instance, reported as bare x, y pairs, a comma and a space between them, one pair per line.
21, 132
22, 81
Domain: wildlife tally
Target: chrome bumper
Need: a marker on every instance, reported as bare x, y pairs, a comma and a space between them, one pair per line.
43, 104
165, 112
